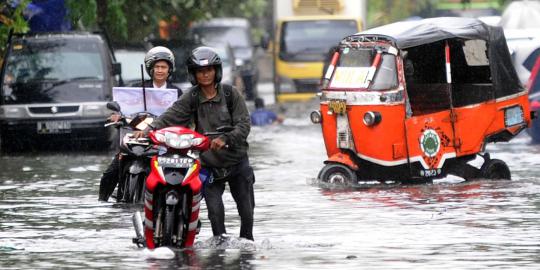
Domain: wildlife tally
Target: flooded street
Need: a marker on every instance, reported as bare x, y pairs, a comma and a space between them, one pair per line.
50, 216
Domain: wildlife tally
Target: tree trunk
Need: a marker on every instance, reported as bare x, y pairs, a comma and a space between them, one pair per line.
102, 14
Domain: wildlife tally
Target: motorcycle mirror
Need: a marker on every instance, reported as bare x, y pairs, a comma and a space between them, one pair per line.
113, 106
225, 129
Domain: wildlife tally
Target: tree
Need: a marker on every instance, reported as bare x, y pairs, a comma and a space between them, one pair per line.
11, 17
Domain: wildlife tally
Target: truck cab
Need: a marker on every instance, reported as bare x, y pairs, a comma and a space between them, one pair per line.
305, 33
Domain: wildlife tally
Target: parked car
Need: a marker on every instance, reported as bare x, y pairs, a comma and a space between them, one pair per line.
55, 86
533, 86
237, 33
131, 59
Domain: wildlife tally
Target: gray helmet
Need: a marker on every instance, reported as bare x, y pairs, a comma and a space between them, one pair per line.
155, 54
203, 57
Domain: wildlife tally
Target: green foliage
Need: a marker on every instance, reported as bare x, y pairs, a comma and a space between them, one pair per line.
133, 21
11, 19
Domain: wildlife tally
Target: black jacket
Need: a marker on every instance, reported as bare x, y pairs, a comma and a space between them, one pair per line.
211, 114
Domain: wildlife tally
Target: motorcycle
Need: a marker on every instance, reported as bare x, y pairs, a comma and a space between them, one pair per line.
134, 155
172, 199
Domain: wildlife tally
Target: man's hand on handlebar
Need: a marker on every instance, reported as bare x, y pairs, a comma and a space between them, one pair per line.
217, 144
114, 117
139, 134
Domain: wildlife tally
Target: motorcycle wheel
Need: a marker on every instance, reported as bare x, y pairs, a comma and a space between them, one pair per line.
136, 188
337, 174
495, 169
168, 226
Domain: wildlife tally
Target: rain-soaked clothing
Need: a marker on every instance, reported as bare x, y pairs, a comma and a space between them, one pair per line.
229, 164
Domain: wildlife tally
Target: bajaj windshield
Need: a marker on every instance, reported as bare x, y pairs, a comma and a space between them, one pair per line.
53, 71
364, 69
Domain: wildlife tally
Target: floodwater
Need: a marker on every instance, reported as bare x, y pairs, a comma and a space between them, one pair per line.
50, 216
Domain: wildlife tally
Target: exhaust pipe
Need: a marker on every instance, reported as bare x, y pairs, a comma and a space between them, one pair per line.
139, 231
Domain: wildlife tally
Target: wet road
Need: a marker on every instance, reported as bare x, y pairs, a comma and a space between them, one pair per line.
50, 217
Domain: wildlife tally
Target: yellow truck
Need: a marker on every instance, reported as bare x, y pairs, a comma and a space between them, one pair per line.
305, 32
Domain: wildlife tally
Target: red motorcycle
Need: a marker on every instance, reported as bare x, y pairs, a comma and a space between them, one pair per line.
173, 189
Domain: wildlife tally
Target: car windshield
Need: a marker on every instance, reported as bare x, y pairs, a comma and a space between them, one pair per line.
311, 40
235, 36
131, 61
45, 70
353, 70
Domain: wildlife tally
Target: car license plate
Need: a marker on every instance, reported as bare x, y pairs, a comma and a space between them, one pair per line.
175, 162
53, 127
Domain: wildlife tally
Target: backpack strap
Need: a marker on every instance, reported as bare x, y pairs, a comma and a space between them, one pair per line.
194, 99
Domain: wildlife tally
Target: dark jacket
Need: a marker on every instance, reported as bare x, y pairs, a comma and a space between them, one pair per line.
211, 114
149, 84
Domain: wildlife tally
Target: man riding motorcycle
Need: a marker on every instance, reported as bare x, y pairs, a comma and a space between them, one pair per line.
159, 64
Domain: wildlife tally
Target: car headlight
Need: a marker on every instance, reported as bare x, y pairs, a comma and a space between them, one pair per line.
238, 62
12, 112
178, 141
95, 110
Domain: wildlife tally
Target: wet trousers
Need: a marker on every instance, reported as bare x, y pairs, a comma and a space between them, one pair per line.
109, 179
241, 180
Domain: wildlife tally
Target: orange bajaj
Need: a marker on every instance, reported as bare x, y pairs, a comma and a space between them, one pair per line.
418, 100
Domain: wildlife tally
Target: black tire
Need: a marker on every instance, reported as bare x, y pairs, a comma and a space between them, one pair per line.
337, 174
495, 169
133, 192
168, 226
138, 196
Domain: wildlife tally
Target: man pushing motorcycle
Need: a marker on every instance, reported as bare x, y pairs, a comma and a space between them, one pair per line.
210, 104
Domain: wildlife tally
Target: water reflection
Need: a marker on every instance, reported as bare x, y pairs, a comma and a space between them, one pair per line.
50, 216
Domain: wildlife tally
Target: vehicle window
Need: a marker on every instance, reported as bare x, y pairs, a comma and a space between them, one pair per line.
54, 71
131, 64
386, 75
475, 52
235, 36
56, 61
310, 40
353, 70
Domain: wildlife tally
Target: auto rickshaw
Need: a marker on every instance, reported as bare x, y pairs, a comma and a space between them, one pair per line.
419, 100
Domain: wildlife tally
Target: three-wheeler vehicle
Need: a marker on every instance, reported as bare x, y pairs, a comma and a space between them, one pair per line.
418, 100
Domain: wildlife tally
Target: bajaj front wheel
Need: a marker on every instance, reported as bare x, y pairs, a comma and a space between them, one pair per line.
495, 169
337, 173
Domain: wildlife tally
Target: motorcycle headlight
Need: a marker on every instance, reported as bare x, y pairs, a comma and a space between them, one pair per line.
178, 141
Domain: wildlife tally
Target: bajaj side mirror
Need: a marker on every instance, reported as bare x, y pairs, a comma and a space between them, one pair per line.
116, 69
113, 106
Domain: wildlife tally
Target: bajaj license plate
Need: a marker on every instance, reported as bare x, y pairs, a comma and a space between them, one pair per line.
53, 127
337, 106
173, 162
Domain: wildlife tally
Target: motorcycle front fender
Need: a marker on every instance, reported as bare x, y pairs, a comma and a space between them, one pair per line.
138, 166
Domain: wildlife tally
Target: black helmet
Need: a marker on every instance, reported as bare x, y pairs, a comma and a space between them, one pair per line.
203, 57
155, 54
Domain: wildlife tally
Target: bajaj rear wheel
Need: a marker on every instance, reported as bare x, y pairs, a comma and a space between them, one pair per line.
495, 169
338, 174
